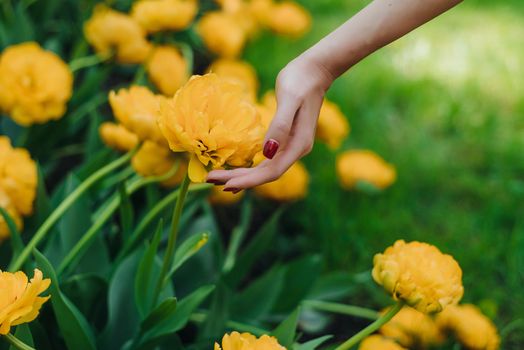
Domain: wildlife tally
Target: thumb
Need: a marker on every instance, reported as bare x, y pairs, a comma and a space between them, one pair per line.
280, 127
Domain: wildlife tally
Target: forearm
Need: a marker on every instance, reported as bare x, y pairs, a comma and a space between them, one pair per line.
378, 24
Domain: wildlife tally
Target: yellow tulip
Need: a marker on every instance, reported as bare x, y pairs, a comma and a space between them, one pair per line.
35, 85
214, 121
19, 299
333, 126
366, 166
377, 342
222, 34
117, 137
108, 30
161, 15
291, 186
247, 341
420, 275
237, 71
167, 69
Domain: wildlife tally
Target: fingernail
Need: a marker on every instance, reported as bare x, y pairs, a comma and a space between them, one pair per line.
270, 148
215, 182
232, 189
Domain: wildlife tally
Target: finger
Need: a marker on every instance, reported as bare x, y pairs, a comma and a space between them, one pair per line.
270, 170
280, 127
220, 177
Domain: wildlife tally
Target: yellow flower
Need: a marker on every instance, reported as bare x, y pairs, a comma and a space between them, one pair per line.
412, 329
213, 120
167, 69
109, 30
222, 34
288, 18
377, 342
7, 205
261, 10
366, 166
155, 160
333, 126
247, 341
220, 197
160, 15
420, 275
35, 84
137, 108
474, 330
291, 186
19, 300
117, 137
237, 71
18, 176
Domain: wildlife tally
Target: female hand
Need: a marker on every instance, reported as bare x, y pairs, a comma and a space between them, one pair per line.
300, 89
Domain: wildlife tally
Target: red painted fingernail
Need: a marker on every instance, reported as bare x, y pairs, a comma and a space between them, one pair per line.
270, 148
232, 189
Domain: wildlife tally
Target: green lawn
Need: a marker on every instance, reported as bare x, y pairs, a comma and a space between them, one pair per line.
445, 104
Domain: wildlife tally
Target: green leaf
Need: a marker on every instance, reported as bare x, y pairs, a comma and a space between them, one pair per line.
185, 308
256, 247
187, 249
126, 211
73, 326
259, 297
300, 277
16, 240
218, 314
43, 206
144, 277
123, 317
313, 344
163, 312
333, 286
286, 331
24, 334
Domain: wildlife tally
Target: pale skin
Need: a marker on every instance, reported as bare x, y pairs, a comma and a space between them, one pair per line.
302, 84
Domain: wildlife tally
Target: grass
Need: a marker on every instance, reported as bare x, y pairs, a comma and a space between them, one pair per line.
445, 105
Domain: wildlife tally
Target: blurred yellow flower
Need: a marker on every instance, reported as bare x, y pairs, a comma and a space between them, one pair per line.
137, 109
412, 329
261, 10
247, 341
117, 137
420, 275
18, 176
155, 160
160, 15
222, 34
35, 85
19, 300
377, 342
108, 30
471, 328
220, 197
366, 166
167, 69
7, 205
212, 120
291, 186
288, 18
333, 126
237, 71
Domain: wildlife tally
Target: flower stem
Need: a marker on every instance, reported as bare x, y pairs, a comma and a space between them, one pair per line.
140, 230
87, 61
351, 310
173, 233
42, 232
17, 343
357, 338
81, 247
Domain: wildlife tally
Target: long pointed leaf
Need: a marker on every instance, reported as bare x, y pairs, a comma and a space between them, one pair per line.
73, 326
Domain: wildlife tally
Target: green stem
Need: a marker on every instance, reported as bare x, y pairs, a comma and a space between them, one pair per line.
17, 343
357, 338
42, 232
171, 241
83, 244
140, 230
351, 310
87, 61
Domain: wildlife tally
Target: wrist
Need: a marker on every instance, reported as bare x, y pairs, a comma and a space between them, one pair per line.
316, 69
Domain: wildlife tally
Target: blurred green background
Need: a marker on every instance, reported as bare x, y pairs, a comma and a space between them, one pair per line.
445, 105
